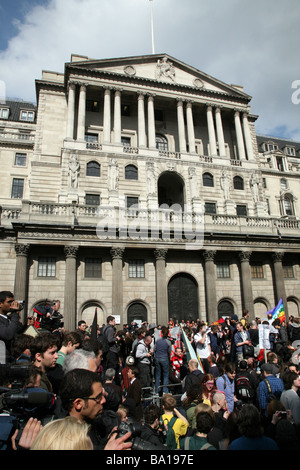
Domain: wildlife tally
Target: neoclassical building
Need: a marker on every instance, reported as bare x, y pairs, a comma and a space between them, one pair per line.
138, 186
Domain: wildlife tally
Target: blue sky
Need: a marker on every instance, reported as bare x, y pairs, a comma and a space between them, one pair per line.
253, 43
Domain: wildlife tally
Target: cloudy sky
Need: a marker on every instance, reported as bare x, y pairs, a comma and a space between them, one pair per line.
253, 43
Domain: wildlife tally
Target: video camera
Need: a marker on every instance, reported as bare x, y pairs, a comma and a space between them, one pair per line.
135, 429
18, 403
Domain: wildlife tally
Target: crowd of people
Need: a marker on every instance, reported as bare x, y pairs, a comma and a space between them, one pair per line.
137, 388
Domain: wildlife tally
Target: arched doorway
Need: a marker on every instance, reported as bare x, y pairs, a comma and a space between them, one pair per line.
88, 313
137, 312
170, 189
225, 309
183, 297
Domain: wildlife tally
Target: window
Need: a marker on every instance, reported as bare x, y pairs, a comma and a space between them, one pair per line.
27, 116
223, 269
162, 143
17, 188
131, 201
126, 141
283, 183
159, 115
210, 208
131, 172
4, 113
257, 271
288, 205
241, 209
46, 267
92, 267
288, 271
91, 137
20, 159
136, 268
93, 106
92, 199
290, 151
270, 147
208, 180
280, 165
238, 183
93, 169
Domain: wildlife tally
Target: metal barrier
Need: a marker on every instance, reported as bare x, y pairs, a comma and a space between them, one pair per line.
150, 396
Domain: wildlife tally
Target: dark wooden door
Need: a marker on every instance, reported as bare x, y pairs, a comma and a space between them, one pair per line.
183, 297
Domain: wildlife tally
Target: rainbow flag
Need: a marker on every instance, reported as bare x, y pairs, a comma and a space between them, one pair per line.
278, 311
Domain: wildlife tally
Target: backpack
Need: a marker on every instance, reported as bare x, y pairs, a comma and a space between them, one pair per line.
102, 338
170, 436
205, 446
133, 352
243, 388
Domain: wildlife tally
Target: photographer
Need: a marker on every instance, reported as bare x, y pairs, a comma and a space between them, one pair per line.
48, 316
9, 324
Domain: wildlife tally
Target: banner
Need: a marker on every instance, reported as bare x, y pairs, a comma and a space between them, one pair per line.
190, 351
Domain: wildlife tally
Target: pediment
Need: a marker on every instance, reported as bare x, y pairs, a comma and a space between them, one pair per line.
160, 68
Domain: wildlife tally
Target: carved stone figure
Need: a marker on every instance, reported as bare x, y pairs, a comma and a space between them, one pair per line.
113, 175
151, 181
225, 184
165, 69
254, 187
74, 168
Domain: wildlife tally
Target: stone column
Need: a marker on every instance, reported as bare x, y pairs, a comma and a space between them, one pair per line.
117, 117
21, 279
277, 258
141, 121
162, 315
71, 111
246, 286
248, 140
151, 123
117, 281
190, 127
106, 117
81, 113
220, 133
239, 136
181, 130
210, 286
70, 296
211, 131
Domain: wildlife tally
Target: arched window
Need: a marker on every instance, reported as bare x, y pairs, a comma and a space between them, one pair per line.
93, 169
225, 309
161, 142
131, 172
208, 180
288, 205
238, 182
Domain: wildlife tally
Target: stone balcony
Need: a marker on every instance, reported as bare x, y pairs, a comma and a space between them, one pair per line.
137, 223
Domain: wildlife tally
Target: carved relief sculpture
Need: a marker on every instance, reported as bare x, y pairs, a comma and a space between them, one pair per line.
225, 185
113, 175
74, 168
165, 69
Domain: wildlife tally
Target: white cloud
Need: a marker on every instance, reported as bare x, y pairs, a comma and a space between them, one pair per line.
254, 44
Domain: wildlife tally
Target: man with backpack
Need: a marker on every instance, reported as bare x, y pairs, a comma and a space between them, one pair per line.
245, 385
173, 423
110, 348
269, 388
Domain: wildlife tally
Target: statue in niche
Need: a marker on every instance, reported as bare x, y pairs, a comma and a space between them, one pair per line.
151, 181
254, 187
113, 175
193, 183
165, 69
74, 168
225, 184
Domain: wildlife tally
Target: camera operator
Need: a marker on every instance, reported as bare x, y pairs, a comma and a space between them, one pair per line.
83, 396
48, 316
10, 324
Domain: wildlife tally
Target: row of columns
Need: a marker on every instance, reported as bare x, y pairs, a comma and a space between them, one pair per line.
70, 294
186, 133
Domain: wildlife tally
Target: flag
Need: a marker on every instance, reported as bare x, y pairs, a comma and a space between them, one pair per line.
190, 352
278, 311
94, 330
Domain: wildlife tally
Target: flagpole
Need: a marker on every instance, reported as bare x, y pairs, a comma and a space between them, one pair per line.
152, 29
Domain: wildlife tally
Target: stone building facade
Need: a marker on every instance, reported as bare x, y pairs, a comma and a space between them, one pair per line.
138, 186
